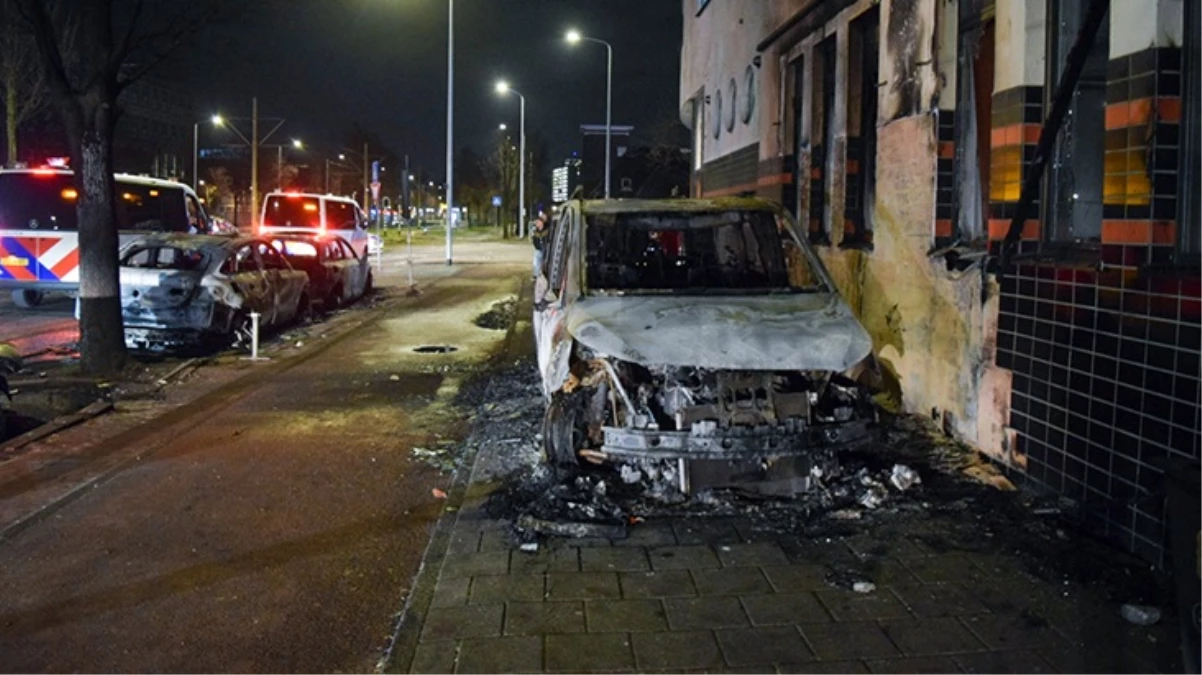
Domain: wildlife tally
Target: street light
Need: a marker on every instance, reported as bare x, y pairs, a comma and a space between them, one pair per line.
502, 127
341, 158
450, 122
504, 88
217, 121
279, 162
574, 37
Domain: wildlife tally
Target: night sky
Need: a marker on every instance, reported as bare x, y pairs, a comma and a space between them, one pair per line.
324, 64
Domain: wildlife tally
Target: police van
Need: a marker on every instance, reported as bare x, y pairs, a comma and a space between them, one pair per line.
315, 214
39, 232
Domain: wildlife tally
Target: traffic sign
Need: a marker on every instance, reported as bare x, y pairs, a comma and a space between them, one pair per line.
375, 191
496, 200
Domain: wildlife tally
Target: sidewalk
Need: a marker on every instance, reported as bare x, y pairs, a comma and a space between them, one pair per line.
719, 594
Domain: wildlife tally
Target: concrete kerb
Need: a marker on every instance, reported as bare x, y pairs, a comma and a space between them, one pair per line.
398, 655
196, 412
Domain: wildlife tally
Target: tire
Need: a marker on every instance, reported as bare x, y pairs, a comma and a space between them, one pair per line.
335, 300
28, 298
563, 433
369, 285
304, 310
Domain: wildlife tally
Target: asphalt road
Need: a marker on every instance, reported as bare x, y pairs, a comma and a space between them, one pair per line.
281, 527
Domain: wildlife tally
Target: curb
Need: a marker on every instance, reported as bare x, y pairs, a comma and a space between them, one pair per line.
94, 409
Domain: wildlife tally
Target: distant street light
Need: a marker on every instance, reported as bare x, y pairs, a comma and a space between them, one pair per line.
574, 37
503, 88
341, 158
279, 162
217, 121
502, 127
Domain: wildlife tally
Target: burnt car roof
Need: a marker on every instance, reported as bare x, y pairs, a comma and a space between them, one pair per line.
203, 242
676, 205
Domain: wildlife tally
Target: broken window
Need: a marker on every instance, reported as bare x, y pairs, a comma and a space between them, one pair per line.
165, 258
729, 250
973, 121
1073, 191
863, 52
822, 136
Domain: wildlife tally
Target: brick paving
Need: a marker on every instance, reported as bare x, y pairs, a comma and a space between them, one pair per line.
695, 596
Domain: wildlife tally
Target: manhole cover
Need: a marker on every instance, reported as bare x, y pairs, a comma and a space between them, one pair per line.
435, 349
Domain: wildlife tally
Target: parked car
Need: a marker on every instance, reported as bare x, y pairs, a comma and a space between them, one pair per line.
39, 235
316, 214
702, 336
184, 291
337, 275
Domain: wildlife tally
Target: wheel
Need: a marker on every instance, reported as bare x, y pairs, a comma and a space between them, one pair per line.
304, 310
27, 298
335, 301
564, 433
369, 284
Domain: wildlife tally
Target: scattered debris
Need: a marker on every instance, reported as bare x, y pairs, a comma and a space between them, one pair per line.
438, 494
572, 529
1140, 615
903, 477
394, 377
845, 514
529, 547
499, 316
863, 587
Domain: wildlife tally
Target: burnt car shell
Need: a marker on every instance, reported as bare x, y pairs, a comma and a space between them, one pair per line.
735, 387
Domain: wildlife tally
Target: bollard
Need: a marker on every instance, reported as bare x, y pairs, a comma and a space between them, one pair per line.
254, 339
409, 242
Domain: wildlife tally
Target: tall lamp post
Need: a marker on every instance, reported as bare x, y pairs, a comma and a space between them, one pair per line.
217, 121
279, 162
341, 158
504, 88
574, 37
450, 122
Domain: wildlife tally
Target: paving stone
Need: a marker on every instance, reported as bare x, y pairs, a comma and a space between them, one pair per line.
589, 652
616, 559
707, 531
868, 546
833, 667
582, 586
855, 640
672, 583
475, 564
501, 655
811, 551
466, 541
714, 612
494, 540
914, 664
546, 560
435, 657
731, 581
763, 646
625, 616
1003, 596
676, 651
453, 623
450, 592
683, 558
500, 588
851, 606
1003, 662
778, 608
794, 578
931, 636
948, 567
889, 572
1011, 631
537, 618
648, 534
934, 600
754, 554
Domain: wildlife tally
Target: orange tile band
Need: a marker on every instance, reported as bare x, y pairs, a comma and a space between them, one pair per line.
998, 227
1015, 134
1140, 112
1139, 232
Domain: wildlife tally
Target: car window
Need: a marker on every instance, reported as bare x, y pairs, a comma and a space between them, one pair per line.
340, 215
241, 261
196, 215
150, 208
292, 210
165, 258
272, 260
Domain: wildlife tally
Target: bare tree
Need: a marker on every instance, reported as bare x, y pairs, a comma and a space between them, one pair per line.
114, 43
21, 76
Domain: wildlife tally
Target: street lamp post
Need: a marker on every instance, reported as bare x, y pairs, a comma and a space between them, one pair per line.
504, 88
279, 162
217, 121
450, 122
574, 37
341, 158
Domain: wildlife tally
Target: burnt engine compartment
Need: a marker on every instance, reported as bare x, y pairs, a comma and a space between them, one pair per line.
771, 432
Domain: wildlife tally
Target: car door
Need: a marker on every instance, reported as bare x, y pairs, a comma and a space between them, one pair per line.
245, 272
335, 264
553, 343
357, 268
285, 286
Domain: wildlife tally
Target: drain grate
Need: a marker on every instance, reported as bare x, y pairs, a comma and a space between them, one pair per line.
436, 349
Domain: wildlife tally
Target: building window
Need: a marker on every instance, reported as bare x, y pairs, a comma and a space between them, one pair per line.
822, 136
1189, 216
863, 51
1076, 169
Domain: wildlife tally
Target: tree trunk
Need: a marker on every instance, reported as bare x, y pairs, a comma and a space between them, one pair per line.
10, 112
102, 341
